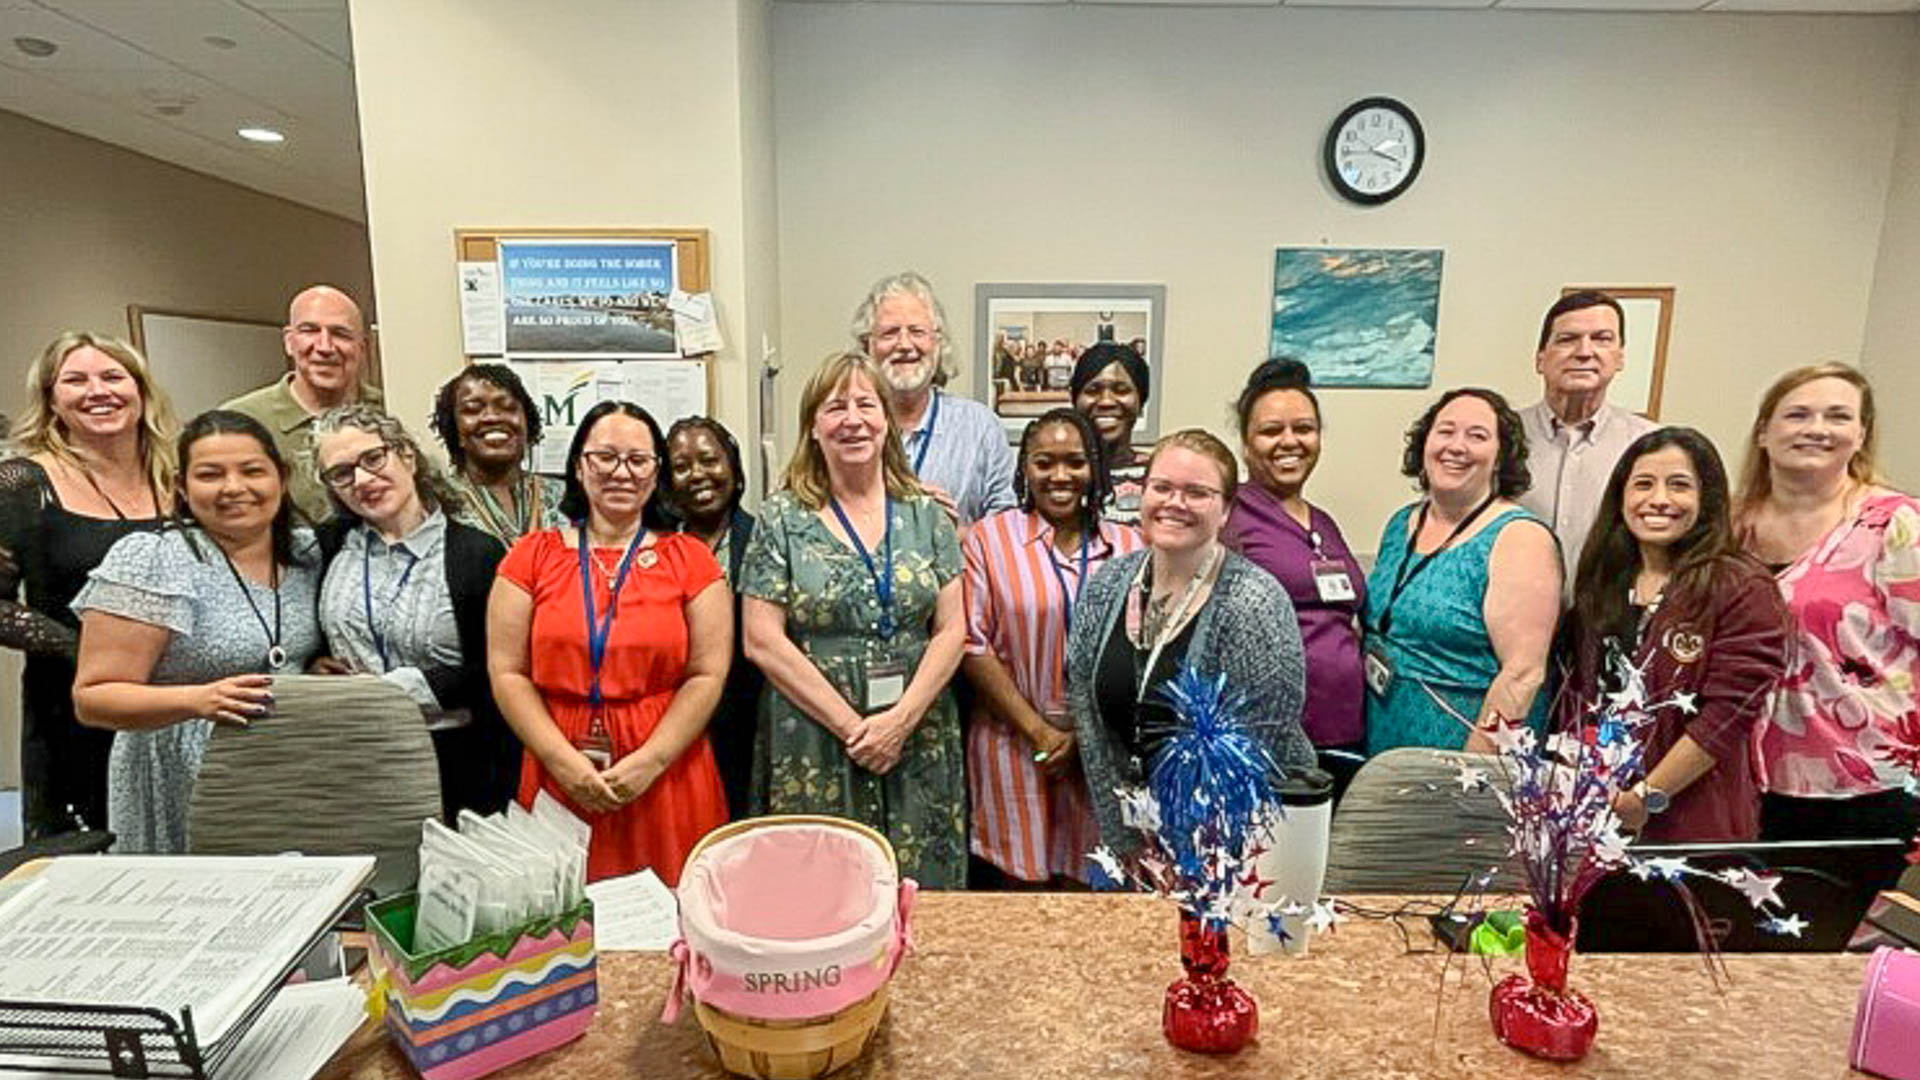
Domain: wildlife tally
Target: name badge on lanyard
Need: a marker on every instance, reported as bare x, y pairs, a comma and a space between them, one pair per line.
597, 745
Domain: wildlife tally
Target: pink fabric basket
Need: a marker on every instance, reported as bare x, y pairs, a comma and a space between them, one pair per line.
789, 919
1886, 1030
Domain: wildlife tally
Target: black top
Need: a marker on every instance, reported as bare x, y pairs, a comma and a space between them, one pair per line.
479, 764
46, 553
1139, 725
735, 719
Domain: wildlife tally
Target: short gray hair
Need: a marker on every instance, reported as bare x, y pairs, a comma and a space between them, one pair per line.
906, 283
436, 491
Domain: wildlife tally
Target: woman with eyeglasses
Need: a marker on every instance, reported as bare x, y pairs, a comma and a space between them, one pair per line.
1184, 599
1025, 567
853, 611
182, 629
405, 597
608, 642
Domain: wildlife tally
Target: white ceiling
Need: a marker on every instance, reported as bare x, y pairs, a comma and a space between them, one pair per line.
1812, 7
121, 62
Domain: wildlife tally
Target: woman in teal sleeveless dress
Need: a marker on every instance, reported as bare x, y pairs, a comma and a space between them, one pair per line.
1464, 595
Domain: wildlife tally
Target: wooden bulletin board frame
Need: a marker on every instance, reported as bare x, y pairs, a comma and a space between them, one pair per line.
690, 261
1663, 295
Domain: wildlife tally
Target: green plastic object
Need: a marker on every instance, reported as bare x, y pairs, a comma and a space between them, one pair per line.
1500, 933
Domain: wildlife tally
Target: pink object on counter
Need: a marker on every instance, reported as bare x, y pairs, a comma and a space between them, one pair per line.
1886, 1030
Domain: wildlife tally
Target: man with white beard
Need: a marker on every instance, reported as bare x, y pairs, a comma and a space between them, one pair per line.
955, 444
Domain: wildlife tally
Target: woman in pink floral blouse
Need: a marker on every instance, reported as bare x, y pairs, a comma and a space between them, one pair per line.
1846, 551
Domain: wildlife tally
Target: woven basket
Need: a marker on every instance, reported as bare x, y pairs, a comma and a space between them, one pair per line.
792, 1049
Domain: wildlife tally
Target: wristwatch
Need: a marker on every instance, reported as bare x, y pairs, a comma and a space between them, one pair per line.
1655, 800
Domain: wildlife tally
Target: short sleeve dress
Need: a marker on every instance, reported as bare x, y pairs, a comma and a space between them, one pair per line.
645, 663
832, 615
177, 580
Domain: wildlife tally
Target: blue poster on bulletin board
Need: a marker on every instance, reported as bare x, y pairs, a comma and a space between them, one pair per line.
588, 298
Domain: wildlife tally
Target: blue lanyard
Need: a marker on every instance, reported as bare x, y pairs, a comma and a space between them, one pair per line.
882, 582
1066, 613
926, 437
599, 630
366, 594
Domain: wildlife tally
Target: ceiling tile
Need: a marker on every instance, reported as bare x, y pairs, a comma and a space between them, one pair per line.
81, 46
1392, 3
325, 29
1824, 7
1602, 5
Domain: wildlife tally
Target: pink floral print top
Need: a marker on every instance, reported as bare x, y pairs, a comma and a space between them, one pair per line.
1854, 658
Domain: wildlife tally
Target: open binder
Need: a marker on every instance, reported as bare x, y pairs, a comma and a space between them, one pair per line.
156, 966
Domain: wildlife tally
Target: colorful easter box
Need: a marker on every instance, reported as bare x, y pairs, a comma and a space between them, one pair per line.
469, 1010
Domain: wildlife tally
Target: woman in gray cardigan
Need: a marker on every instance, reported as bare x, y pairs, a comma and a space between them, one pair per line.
1184, 598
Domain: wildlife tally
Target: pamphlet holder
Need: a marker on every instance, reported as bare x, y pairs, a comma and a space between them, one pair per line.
127, 1041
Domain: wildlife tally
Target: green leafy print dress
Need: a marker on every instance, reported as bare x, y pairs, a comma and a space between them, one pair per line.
833, 615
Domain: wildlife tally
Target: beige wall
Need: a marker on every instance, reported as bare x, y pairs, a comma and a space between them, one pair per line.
609, 113
90, 228
1892, 352
1743, 159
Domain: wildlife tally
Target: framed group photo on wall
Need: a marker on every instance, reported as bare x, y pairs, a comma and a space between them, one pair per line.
1645, 329
1027, 339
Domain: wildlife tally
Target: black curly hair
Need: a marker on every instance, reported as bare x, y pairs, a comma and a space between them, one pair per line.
446, 422
1099, 483
1511, 479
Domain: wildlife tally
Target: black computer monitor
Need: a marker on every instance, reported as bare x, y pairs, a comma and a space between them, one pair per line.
1827, 883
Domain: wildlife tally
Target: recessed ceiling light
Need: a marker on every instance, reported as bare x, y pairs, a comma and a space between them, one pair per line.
261, 135
38, 48
219, 42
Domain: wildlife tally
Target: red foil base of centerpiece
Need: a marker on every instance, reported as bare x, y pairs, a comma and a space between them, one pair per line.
1205, 1012
1539, 1014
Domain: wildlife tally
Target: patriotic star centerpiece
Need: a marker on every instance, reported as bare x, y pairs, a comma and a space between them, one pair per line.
1201, 820
1565, 836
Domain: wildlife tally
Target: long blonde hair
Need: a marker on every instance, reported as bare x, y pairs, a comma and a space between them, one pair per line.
1756, 472
806, 474
39, 430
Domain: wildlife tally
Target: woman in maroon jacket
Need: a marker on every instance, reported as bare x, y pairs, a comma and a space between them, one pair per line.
1663, 586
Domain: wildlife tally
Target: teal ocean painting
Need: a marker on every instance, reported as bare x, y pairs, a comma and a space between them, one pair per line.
1358, 316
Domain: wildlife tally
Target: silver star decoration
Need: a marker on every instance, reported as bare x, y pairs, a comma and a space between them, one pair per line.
1785, 925
1323, 917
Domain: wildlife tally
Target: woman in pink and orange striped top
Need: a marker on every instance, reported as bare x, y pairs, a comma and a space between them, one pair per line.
1024, 568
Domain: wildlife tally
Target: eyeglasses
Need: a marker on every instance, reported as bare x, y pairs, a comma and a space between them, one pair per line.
340, 477
606, 462
1190, 494
889, 335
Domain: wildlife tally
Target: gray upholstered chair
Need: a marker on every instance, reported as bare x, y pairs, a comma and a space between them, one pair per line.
1406, 825
343, 766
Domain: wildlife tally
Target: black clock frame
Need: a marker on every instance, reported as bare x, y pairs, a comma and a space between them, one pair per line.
1329, 154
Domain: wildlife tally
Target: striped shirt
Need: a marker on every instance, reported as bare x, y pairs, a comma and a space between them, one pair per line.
1028, 825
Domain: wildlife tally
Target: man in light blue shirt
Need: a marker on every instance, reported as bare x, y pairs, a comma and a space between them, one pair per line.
955, 444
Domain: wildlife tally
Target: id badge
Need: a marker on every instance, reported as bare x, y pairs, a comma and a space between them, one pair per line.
886, 685
1377, 668
1332, 581
596, 746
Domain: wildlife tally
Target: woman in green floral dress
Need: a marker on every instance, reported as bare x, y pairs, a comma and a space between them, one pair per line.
853, 610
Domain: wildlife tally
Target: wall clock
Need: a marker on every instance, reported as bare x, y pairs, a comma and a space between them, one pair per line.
1374, 150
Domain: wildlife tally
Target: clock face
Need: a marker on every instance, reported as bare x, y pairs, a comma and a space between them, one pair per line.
1374, 150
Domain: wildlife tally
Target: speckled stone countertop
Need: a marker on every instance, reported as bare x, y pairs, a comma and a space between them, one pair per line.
1060, 985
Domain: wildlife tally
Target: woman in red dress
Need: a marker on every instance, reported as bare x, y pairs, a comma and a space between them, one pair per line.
608, 644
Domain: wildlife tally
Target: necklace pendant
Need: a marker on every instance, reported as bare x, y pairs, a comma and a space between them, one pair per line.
276, 658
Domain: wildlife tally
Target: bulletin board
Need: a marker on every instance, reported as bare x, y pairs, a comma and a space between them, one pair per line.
583, 317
